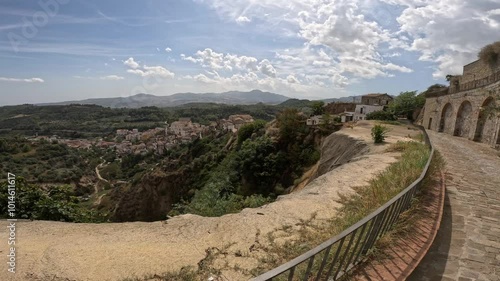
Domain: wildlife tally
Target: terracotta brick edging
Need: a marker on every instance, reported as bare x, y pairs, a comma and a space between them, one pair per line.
435, 229
398, 260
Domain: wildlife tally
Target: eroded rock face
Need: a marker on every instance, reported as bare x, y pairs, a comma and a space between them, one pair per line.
151, 199
338, 149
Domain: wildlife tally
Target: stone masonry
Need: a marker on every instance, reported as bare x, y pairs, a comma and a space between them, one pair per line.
465, 109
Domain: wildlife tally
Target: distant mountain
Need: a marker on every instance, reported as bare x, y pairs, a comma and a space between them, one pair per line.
296, 103
299, 103
344, 99
142, 100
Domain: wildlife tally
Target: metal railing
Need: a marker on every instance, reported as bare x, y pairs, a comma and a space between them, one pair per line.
477, 83
336, 256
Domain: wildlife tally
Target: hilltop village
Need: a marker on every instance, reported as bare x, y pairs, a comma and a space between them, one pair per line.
157, 140
160, 139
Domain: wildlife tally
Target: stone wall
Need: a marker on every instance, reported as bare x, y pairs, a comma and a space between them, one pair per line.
479, 70
475, 75
460, 114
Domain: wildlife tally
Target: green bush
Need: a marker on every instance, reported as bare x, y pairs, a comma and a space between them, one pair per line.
246, 131
56, 203
379, 133
381, 115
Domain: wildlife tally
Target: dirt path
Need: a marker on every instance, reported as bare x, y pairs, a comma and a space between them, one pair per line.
96, 185
97, 171
67, 251
467, 246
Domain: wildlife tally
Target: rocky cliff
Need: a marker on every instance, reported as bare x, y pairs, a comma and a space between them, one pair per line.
338, 149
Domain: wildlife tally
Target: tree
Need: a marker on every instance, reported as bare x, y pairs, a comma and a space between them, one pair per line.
406, 103
327, 125
318, 107
260, 164
247, 130
290, 124
381, 115
52, 203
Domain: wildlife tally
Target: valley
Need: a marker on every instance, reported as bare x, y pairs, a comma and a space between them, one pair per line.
230, 244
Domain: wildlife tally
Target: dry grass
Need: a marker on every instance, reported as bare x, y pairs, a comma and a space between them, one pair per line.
204, 271
405, 225
310, 233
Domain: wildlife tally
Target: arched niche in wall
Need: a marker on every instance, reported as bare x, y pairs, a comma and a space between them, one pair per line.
446, 115
484, 114
463, 123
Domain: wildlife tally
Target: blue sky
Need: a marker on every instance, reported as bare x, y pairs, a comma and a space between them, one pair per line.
56, 50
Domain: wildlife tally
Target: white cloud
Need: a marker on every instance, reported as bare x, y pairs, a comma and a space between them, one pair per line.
152, 71
168, 50
111, 77
288, 57
345, 41
242, 20
292, 79
290, 85
242, 62
28, 80
108, 77
333, 31
148, 71
208, 58
267, 68
203, 78
448, 32
130, 62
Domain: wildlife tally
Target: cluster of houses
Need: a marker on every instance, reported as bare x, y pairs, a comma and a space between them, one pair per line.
234, 122
156, 140
183, 130
369, 103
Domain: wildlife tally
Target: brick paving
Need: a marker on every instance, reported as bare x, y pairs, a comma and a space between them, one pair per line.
400, 257
467, 246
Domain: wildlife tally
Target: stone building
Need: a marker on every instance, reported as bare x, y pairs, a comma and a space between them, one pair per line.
181, 127
468, 107
315, 120
376, 99
336, 108
362, 110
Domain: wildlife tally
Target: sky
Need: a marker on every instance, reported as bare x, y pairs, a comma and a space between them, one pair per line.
59, 50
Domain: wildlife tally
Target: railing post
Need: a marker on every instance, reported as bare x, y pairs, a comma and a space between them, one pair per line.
323, 263
335, 258
373, 235
346, 252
